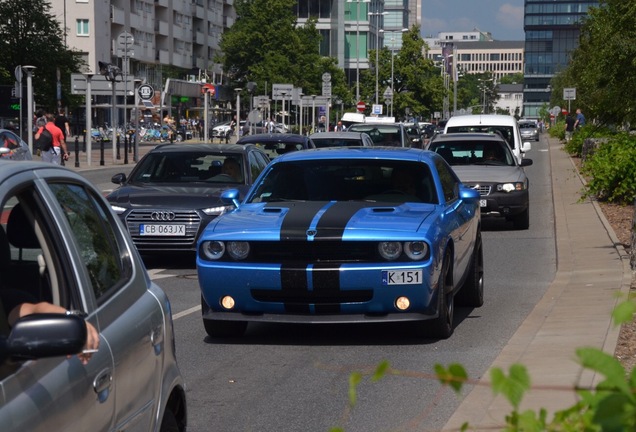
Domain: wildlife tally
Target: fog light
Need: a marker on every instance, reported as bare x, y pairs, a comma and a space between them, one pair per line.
227, 302
402, 303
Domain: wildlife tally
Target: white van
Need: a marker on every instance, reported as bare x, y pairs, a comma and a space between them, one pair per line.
350, 118
505, 125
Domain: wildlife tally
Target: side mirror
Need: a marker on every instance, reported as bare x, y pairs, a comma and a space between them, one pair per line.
119, 178
231, 196
526, 147
44, 335
526, 162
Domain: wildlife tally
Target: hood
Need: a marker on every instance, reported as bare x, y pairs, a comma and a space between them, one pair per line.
173, 196
489, 173
322, 221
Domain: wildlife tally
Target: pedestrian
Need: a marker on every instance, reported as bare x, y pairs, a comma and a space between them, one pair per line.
58, 151
62, 122
580, 119
339, 127
569, 126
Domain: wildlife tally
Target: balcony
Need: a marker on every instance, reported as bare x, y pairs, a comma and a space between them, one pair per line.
117, 15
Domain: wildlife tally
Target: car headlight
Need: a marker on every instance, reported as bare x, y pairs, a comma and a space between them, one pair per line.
212, 250
416, 250
510, 187
217, 211
238, 250
117, 209
390, 251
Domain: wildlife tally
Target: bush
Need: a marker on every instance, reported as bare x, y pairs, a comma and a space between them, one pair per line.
612, 170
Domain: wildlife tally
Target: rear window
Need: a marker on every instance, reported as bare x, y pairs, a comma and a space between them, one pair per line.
506, 132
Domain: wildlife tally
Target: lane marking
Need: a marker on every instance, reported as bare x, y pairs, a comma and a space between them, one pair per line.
186, 312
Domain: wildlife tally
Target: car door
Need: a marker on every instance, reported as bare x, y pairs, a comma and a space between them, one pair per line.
130, 318
53, 393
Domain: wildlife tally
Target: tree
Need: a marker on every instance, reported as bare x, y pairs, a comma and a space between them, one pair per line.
31, 35
602, 66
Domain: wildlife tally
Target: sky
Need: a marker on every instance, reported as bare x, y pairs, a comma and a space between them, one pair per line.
502, 18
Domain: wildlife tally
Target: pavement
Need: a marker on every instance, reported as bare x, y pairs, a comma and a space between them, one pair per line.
592, 269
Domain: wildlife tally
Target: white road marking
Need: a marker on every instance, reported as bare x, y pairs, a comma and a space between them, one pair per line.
186, 312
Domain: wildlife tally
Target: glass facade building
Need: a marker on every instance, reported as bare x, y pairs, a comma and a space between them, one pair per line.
552, 29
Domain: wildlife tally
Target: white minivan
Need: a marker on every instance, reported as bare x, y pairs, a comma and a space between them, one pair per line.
505, 125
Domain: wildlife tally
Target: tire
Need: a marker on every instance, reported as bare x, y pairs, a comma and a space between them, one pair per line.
472, 292
169, 422
218, 328
521, 221
442, 326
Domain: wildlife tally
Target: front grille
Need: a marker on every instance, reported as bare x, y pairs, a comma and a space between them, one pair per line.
305, 297
315, 251
189, 218
484, 190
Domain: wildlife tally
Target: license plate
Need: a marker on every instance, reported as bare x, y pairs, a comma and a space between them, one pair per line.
161, 230
401, 277
483, 203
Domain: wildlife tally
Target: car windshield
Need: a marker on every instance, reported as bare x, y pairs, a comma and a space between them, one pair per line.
275, 148
381, 135
527, 125
188, 167
506, 132
347, 180
480, 152
337, 142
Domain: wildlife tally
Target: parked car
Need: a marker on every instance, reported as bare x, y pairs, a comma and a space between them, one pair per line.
61, 244
384, 134
174, 191
486, 163
221, 130
529, 130
341, 139
276, 144
335, 235
13, 147
505, 125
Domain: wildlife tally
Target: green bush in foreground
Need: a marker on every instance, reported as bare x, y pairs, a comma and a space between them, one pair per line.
608, 407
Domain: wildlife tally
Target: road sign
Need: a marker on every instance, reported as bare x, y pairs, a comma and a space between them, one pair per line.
146, 92
361, 106
326, 88
100, 86
326, 77
388, 93
569, 93
18, 73
279, 89
376, 109
125, 40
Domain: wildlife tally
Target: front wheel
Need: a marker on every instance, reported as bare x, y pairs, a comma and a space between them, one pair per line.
521, 221
169, 422
472, 292
442, 326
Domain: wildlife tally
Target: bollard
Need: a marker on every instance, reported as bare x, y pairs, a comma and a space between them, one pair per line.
77, 163
84, 143
126, 149
101, 150
118, 148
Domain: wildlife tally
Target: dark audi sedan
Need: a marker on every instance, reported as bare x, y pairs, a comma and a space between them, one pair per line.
174, 191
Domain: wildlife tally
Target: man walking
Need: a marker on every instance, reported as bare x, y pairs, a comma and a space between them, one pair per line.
569, 127
57, 152
580, 119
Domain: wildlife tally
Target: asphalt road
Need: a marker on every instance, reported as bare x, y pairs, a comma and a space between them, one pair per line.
296, 377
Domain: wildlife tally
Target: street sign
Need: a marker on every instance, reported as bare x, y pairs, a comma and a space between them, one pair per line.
326, 77
146, 92
279, 89
100, 86
569, 93
326, 88
376, 109
388, 93
361, 106
18, 73
125, 40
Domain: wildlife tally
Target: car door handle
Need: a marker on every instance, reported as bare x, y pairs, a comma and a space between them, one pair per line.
102, 384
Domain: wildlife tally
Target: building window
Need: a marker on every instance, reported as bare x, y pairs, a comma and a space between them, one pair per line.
82, 27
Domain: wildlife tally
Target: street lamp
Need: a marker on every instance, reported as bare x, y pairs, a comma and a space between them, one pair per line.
484, 88
89, 118
238, 111
358, 44
392, 56
377, 49
29, 71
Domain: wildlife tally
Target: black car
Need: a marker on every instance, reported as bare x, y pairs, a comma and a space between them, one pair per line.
174, 191
276, 144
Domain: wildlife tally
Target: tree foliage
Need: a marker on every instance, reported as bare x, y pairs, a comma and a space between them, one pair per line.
31, 35
602, 67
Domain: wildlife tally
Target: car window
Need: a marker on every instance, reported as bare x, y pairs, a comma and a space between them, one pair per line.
471, 152
337, 142
506, 132
346, 180
106, 262
450, 182
256, 164
186, 167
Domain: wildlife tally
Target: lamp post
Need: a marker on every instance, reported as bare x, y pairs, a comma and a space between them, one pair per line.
484, 88
238, 111
377, 50
358, 44
89, 118
29, 71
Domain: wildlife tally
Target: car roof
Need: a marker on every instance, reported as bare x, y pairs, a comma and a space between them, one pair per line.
272, 137
467, 136
185, 148
331, 135
481, 119
326, 153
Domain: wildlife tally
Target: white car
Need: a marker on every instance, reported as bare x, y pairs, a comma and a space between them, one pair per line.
221, 130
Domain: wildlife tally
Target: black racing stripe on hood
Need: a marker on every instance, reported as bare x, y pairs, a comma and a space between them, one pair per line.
332, 224
298, 218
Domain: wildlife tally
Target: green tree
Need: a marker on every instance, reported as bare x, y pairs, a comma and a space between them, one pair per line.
512, 79
31, 35
602, 67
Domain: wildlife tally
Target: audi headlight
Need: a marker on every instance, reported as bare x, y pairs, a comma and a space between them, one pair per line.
510, 187
212, 250
417, 250
117, 209
217, 211
390, 251
238, 250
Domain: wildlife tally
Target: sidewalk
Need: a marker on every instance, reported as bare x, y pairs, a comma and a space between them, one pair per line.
574, 312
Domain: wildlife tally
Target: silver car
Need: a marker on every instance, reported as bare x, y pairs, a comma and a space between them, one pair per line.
60, 243
341, 139
529, 130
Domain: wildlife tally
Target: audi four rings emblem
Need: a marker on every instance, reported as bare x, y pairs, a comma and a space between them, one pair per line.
162, 216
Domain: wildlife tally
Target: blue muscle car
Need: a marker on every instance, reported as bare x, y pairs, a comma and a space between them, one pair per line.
344, 235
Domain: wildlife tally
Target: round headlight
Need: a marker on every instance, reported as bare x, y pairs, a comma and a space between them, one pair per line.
416, 250
390, 251
212, 250
238, 250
